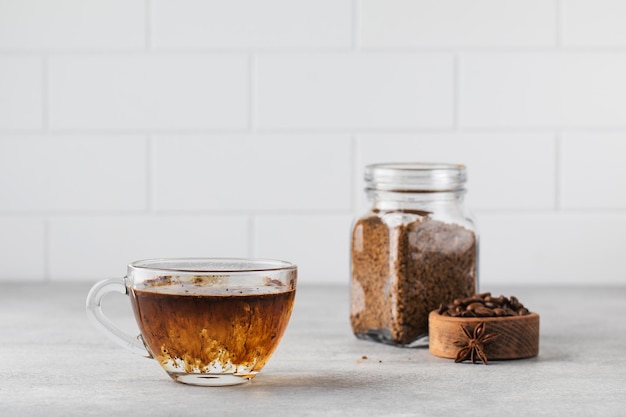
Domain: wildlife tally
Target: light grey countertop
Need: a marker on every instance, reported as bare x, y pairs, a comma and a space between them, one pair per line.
53, 363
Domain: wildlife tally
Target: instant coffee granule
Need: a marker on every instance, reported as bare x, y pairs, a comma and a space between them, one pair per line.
402, 270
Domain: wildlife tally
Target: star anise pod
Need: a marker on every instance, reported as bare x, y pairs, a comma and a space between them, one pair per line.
473, 347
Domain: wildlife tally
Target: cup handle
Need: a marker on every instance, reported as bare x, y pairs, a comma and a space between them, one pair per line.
102, 322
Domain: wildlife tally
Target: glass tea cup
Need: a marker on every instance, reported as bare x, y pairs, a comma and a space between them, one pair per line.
207, 321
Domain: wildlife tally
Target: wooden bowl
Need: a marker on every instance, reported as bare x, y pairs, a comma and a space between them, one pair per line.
518, 336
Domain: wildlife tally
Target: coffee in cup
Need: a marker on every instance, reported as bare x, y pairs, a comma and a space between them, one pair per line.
206, 321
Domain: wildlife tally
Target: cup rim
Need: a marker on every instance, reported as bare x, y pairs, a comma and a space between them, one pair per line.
255, 265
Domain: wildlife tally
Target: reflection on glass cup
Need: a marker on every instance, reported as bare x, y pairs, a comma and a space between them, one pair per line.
207, 321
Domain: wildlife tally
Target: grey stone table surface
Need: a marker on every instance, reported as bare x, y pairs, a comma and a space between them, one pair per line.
53, 363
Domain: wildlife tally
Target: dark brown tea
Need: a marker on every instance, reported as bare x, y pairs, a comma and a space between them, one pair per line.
191, 328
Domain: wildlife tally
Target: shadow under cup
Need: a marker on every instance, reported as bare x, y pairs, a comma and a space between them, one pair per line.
211, 322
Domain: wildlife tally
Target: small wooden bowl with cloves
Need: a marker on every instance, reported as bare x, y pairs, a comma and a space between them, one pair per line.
481, 328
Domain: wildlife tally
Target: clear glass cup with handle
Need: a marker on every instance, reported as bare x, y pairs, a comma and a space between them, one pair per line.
207, 321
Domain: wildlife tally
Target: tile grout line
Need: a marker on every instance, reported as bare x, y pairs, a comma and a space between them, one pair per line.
314, 131
148, 46
251, 234
560, 24
150, 183
456, 92
355, 26
45, 125
242, 212
252, 116
47, 278
148, 26
355, 150
150, 156
45, 94
557, 171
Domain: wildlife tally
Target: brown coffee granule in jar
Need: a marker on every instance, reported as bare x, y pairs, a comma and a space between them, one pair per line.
403, 270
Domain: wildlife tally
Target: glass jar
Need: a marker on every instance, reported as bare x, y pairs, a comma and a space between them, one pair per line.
416, 248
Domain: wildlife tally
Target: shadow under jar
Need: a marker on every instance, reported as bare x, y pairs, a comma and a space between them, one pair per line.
416, 247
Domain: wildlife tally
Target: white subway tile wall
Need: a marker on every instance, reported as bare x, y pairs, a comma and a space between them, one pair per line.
42, 25
223, 24
90, 247
580, 248
599, 181
512, 171
73, 173
457, 23
354, 91
21, 91
148, 91
594, 23
547, 89
313, 239
149, 128
23, 248
250, 173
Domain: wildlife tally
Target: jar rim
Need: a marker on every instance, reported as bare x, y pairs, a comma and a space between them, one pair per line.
415, 176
